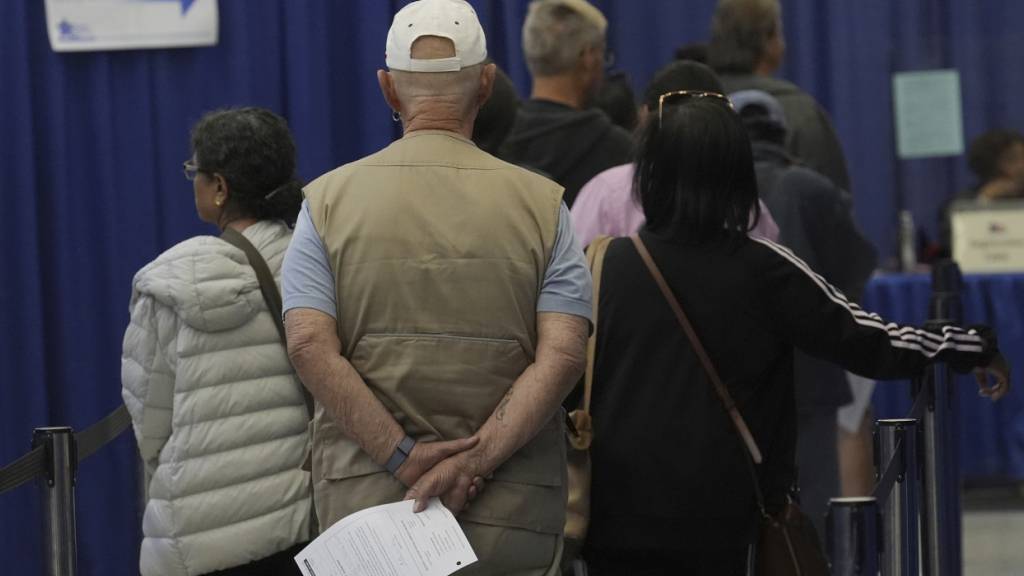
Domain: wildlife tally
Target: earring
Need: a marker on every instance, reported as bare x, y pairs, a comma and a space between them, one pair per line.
219, 202
396, 116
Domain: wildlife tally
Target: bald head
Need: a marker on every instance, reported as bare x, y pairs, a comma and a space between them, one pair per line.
445, 98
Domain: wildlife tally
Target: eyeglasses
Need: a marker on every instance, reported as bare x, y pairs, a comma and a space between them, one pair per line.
190, 169
686, 95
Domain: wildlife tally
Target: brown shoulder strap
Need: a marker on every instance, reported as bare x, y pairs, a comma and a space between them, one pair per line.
595, 261
271, 295
698, 348
268, 286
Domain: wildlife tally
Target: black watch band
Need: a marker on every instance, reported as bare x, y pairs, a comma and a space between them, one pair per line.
402, 452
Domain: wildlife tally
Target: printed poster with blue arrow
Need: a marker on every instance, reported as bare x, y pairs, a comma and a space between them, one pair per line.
91, 25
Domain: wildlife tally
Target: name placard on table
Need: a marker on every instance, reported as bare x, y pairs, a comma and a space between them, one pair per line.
988, 237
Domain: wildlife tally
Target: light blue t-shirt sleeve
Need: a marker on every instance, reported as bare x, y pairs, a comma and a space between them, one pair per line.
307, 280
306, 277
567, 286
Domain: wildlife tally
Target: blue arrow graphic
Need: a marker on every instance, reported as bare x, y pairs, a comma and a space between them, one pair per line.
185, 4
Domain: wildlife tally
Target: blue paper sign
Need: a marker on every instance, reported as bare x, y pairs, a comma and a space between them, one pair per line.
929, 114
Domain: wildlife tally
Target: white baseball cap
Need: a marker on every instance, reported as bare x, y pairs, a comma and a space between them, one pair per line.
452, 19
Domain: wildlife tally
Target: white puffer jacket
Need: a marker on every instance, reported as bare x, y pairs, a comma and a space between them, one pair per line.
216, 408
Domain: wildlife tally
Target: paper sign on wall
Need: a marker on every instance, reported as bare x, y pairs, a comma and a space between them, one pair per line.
929, 115
89, 25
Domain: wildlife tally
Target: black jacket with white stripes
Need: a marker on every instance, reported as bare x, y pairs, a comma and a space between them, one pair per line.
668, 469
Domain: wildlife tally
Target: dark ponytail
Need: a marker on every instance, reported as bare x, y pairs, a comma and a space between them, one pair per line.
253, 150
283, 202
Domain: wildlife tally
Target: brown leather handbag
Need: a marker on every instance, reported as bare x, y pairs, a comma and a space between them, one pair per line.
787, 542
580, 427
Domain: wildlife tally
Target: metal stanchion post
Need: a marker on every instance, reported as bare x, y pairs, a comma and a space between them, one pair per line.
900, 512
942, 479
852, 528
953, 499
58, 488
942, 537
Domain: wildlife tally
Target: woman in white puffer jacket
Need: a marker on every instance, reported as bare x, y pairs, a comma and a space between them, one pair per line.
217, 410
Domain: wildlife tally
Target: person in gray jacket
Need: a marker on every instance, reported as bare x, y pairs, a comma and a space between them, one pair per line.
217, 410
746, 49
816, 223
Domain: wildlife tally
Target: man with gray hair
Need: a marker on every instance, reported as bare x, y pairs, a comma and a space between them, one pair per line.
555, 132
746, 49
437, 307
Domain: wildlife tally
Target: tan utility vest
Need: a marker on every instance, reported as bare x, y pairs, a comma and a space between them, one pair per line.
439, 251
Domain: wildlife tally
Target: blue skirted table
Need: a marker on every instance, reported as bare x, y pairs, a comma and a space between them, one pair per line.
991, 435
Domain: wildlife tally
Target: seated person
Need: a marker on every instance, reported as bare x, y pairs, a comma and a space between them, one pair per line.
997, 159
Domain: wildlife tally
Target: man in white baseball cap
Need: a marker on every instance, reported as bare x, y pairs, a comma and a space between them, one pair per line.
437, 307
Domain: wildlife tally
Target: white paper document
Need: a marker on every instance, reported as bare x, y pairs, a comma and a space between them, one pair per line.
389, 540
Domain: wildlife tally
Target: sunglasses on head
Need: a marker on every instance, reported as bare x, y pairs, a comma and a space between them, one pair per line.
688, 95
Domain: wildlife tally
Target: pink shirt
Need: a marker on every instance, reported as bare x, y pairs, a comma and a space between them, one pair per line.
605, 206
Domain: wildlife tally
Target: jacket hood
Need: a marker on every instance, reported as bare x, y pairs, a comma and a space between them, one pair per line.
208, 282
555, 134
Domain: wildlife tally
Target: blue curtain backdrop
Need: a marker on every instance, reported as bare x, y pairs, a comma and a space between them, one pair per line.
92, 144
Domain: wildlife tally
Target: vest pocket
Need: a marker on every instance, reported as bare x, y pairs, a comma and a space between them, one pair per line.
441, 387
437, 386
335, 456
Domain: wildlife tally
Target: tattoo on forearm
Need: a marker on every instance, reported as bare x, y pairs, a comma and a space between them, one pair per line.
500, 414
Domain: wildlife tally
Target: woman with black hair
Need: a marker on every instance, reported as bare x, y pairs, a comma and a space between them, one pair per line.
672, 486
217, 410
